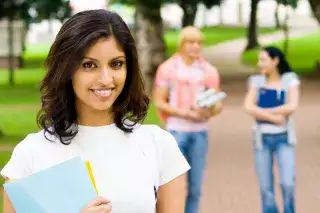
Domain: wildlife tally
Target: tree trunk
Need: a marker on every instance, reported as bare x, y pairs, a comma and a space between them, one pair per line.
240, 14
221, 14
23, 36
315, 7
189, 13
252, 28
11, 51
149, 41
286, 32
204, 17
50, 26
276, 16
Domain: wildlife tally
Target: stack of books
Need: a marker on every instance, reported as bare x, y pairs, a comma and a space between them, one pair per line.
209, 98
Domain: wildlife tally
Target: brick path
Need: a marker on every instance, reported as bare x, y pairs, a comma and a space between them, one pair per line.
230, 182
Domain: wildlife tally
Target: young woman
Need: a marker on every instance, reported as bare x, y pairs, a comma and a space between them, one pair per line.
178, 82
271, 100
93, 99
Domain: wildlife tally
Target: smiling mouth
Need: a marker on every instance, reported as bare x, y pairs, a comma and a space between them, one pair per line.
102, 92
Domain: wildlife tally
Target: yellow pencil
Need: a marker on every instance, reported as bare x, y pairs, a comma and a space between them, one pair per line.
89, 168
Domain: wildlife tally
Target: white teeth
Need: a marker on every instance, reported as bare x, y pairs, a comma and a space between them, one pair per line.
103, 92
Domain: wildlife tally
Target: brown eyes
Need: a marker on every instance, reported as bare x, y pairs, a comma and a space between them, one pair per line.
114, 64
88, 65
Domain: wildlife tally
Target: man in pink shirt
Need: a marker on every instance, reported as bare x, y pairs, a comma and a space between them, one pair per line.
178, 82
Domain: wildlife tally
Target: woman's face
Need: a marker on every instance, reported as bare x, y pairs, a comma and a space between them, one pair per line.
267, 64
100, 77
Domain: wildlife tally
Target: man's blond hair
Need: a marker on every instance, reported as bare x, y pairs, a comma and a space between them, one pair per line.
189, 33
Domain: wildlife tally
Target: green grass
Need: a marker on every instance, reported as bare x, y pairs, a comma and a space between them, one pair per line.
212, 35
19, 104
35, 54
4, 158
302, 55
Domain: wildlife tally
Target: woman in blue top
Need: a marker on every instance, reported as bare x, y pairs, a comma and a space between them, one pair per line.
271, 100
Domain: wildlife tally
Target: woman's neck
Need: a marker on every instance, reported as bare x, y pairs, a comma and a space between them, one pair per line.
94, 118
273, 76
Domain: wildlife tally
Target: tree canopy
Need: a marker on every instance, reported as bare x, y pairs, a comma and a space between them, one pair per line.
35, 10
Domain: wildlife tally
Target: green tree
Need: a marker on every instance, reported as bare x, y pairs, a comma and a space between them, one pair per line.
13, 10
189, 8
149, 29
315, 7
276, 15
148, 33
288, 4
149, 38
252, 34
252, 31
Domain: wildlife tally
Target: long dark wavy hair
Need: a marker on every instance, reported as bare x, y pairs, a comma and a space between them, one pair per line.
58, 115
283, 65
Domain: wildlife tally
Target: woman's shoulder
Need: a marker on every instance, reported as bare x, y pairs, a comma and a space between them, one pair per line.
152, 131
290, 78
163, 146
22, 158
154, 137
256, 80
34, 140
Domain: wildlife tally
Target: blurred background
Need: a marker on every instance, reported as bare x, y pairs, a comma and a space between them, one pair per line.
234, 30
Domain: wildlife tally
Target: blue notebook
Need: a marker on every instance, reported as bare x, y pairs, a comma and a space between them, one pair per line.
269, 98
65, 187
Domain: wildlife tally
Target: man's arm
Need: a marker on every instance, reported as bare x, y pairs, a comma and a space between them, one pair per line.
161, 95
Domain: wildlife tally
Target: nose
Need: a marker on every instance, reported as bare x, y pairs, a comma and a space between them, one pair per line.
196, 44
105, 76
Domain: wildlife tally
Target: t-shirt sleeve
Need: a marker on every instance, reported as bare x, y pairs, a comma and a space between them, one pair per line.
162, 75
212, 78
171, 161
20, 162
255, 81
291, 79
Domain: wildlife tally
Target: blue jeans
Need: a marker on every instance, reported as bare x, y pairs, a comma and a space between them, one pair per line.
276, 145
194, 146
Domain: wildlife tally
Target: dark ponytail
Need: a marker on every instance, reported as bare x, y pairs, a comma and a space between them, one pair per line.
283, 65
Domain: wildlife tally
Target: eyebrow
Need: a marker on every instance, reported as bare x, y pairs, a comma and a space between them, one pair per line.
93, 59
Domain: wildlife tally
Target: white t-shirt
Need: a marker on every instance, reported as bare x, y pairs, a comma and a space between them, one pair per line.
126, 166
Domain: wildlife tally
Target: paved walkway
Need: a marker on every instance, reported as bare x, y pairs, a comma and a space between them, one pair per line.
227, 56
230, 182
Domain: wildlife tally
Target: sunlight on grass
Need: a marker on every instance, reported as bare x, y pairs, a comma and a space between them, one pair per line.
302, 55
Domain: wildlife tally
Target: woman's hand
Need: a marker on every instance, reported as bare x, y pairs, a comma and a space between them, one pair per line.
99, 205
279, 119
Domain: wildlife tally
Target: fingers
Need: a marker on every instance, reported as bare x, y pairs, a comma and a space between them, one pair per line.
106, 208
97, 202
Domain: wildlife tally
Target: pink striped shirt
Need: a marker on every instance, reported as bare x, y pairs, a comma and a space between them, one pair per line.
184, 82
